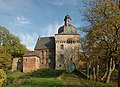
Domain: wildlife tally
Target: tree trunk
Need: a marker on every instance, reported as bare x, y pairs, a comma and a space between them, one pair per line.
104, 76
97, 73
119, 74
108, 76
88, 72
111, 67
94, 75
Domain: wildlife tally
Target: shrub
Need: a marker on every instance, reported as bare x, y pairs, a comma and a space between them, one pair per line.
2, 77
22, 81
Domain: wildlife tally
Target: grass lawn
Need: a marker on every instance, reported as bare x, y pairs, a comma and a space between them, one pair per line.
50, 78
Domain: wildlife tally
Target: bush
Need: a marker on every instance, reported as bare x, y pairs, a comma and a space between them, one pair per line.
2, 77
13, 75
22, 81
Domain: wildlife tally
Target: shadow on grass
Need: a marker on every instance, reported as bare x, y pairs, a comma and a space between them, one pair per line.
45, 73
49, 73
80, 74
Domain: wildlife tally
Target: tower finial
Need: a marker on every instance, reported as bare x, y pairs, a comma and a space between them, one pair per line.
39, 38
67, 20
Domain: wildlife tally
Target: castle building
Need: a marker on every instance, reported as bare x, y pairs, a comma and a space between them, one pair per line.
45, 47
31, 61
55, 52
67, 45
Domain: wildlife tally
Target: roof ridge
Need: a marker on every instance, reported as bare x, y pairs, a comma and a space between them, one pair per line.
46, 37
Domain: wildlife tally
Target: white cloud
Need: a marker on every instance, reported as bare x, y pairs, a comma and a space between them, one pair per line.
28, 39
21, 21
51, 29
63, 2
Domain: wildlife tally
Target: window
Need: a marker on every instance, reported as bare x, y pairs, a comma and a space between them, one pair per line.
25, 60
50, 53
42, 54
69, 40
47, 54
62, 46
49, 61
71, 59
42, 61
60, 65
61, 56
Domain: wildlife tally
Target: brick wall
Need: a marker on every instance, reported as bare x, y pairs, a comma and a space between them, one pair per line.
31, 63
47, 58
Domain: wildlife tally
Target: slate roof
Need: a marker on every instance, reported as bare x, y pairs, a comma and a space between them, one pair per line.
30, 53
45, 43
67, 30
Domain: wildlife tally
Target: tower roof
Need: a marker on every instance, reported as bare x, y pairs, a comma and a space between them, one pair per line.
67, 28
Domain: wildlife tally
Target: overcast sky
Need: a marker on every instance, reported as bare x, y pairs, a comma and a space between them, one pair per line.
29, 19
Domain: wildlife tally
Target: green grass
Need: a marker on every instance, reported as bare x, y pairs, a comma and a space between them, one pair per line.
51, 78
38, 82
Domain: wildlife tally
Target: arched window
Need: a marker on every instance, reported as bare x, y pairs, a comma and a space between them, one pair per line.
62, 46
62, 58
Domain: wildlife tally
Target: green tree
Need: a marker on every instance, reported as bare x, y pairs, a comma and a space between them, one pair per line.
5, 59
11, 43
103, 37
10, 47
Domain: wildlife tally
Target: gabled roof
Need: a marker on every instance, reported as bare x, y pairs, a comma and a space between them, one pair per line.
45, 43
30, 53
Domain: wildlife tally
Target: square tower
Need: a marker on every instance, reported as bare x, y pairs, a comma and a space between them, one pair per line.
67, 45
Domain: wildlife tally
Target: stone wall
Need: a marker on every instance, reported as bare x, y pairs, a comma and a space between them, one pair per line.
17, 64
67, 49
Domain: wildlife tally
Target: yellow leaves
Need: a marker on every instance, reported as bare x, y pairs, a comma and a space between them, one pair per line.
2, 77
104, 7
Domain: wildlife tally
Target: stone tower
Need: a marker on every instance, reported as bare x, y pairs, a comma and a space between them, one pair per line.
67, 45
